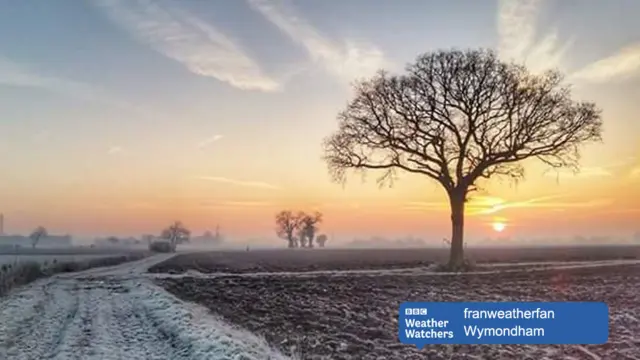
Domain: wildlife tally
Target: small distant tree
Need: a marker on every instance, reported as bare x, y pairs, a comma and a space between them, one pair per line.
309, 226
37, 234
177, 234
287, 223
321, 240
113, 240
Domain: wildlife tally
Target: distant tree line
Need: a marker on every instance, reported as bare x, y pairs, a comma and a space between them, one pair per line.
300, 229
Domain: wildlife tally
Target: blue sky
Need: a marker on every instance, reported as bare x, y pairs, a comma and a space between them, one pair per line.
110, 104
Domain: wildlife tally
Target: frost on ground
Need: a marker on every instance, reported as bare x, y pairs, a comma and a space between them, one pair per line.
326, 316
115, 313
300, 260
60, 255
17, 259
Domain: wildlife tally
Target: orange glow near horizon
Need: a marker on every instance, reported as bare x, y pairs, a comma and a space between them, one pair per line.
240, 189
414, 206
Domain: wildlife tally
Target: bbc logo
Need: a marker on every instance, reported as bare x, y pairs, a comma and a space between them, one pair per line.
415, 311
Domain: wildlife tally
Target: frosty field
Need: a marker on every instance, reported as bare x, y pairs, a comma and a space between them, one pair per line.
61, 255
342, 304
116, 313
12, 259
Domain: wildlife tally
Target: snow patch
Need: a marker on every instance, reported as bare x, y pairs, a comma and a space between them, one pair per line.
116, 313
207, 336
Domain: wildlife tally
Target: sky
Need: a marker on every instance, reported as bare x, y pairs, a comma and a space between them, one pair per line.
121, 116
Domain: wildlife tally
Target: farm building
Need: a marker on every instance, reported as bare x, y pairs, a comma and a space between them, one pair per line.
208, 238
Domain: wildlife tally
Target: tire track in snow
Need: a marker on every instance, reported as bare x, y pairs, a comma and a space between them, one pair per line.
107, 326
116, 313
39, 328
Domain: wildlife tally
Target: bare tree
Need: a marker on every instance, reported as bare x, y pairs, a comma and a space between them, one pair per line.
286, 225
309, 226
321, 240
176, 233
458, 117
39, 233
301, 238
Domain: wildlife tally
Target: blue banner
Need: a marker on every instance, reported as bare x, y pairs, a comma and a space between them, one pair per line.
424, 323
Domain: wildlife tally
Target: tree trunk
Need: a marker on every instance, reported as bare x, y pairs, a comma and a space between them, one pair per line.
291, 243
456, 255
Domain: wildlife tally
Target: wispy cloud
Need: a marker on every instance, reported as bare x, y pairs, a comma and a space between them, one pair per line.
348, 60
619, 168
485, 205
115, 149
16, 74
520, 38
586, 172
522, 41
632, 167
200, 47
208, 141
623, 65
622, 211
237, 204
425, 205
254, 184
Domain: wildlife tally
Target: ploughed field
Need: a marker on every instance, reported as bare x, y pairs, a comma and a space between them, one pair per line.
353, 314
371, 259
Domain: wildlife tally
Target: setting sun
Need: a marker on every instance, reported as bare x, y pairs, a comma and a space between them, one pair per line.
499, 226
